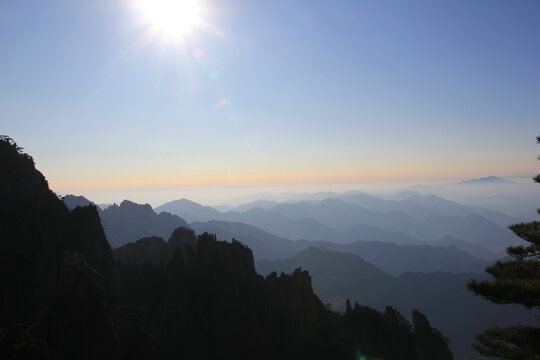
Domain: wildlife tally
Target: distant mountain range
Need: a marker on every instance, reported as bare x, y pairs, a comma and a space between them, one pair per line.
421, 220
356, 246
389, 257
393, 252
399, 259
486, 180
414, 219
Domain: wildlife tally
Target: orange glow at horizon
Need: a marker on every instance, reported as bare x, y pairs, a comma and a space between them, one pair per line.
245, 179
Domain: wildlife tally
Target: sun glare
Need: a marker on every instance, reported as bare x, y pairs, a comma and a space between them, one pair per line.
172, 18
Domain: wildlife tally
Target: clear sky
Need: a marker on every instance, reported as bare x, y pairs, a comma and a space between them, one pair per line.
257, 94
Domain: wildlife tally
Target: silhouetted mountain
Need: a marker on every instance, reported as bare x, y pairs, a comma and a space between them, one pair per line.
130, 221
63, 296
189, 210
152, 249
72, 201
54, 301
263, 244
155, 250
486, 180
280, 316
334, 272
448, 304
442, 297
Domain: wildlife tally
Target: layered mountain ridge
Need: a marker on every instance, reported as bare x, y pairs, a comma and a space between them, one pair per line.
65, 297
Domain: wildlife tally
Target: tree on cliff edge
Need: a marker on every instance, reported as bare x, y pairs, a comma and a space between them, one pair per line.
516, 281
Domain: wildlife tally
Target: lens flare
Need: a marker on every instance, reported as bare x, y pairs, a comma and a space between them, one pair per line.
198, 54
214, 75
221, 103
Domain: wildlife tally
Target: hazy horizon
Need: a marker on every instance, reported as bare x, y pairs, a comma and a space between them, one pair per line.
450, 189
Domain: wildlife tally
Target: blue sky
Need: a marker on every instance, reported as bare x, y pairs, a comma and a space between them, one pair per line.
318, 92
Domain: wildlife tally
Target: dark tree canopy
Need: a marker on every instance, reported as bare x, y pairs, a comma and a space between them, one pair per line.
516, 281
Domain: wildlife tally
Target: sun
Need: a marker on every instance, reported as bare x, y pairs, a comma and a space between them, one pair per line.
171, 18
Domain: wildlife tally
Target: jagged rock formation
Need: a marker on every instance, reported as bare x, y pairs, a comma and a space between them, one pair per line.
73, 201
155, 250
63, 296
390, 335
151, 249
129, 222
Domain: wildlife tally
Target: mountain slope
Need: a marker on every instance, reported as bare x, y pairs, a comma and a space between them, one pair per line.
472, 228
189, 210
283, 226
398, 259
438, 205
129, 222
72, 201
264, 204
53, 303
265, 246
335, 273
443, 297
476, 250
369, 233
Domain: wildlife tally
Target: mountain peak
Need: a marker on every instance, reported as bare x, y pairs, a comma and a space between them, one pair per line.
486, 180
72, 201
